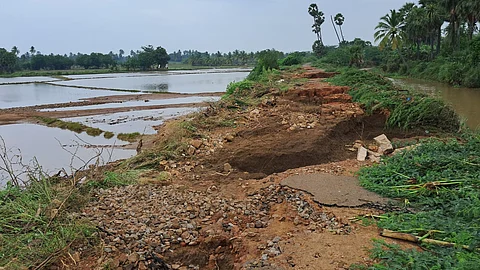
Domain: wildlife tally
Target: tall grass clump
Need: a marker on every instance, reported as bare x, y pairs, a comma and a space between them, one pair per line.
406, 109
439, 180
35, 227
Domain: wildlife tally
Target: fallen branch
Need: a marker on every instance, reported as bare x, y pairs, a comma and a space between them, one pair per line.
417, 239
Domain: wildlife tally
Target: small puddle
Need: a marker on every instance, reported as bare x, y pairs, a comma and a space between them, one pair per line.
44, 143
140, 103
133, 121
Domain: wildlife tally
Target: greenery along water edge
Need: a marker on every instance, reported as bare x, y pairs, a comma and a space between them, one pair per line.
439, 180
406, 109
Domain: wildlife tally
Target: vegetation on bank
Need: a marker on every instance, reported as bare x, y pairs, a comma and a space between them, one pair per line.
72, 126
79, 128
438, 181
38, 224
129, 137
406, 109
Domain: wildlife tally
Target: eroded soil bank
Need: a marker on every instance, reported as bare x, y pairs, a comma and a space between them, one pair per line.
221, 205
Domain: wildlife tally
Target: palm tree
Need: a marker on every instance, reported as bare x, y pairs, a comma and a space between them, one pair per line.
318, 20
32, 51
15, 50
390, 30
435, 22
452, 7
470, 11
339, 20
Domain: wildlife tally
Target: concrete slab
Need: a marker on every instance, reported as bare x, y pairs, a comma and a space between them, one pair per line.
333, 190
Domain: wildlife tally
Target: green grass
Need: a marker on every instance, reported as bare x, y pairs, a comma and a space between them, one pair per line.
440, 180
407, 109
29, 231
114, 179
129, 137
72, 126
108, 135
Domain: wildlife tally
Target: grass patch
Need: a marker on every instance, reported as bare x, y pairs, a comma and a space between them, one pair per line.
406, 109
129, 137
108, 135
93, 131
440, 180
173, 143
115, 179
35, 224
72, 126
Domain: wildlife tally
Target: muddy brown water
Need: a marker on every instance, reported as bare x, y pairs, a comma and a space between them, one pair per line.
465, 101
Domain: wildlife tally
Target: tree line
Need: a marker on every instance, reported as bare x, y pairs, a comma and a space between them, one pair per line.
436, 39
147, 58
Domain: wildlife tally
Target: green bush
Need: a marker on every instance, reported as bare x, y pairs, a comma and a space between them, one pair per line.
472, 77
239, 88
267, 60
292, 59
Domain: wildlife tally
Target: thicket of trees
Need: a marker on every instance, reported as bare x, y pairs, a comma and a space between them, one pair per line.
147, 58
434, 39
415, 42
196, 58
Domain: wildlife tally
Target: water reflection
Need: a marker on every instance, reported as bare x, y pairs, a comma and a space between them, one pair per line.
178, 83
51, 147
39, 94
161, 87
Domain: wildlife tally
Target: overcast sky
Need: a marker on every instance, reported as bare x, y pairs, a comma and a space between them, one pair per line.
63, 26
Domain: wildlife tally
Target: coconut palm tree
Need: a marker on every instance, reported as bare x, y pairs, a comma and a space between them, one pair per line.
390, 30
469, 10
15, 50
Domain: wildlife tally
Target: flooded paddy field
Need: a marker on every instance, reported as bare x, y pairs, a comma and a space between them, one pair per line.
97, 101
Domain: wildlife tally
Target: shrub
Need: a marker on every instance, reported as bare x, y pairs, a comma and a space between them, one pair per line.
239, 88
292, 59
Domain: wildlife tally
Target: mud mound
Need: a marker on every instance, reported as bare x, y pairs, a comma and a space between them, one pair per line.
271, 150
320, 93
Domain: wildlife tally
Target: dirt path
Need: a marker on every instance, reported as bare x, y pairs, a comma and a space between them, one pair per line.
222, 205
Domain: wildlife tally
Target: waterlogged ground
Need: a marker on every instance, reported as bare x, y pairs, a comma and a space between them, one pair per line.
23, 95
142, 122
95, 100
57, 149
177, 82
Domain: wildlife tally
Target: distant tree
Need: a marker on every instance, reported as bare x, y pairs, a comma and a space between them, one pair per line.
152, 57
32, 51
8, 61
318, 20
339, 20
15, 50
121, 52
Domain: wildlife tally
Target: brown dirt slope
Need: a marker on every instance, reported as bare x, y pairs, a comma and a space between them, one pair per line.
206, 210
